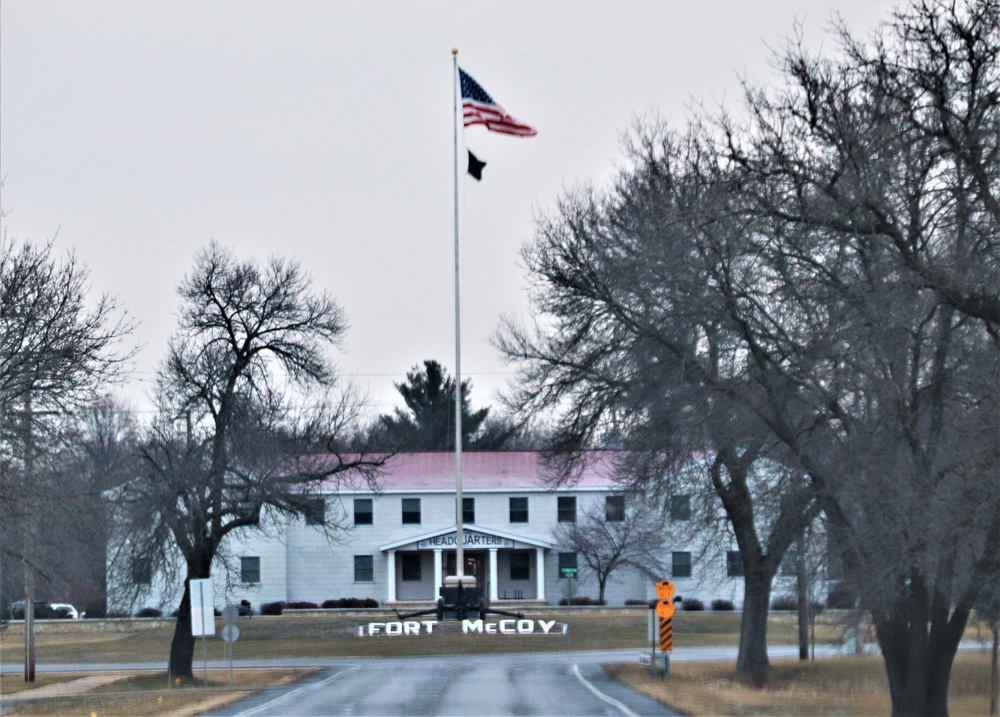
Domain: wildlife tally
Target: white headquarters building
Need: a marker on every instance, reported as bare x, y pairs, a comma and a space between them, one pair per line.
400, 541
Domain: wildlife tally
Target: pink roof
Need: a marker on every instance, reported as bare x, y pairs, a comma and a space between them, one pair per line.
498, 470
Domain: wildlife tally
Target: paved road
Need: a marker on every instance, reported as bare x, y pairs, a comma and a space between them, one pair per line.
549, 684
557, 683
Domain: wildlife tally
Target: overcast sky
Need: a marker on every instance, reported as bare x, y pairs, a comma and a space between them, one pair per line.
322, 130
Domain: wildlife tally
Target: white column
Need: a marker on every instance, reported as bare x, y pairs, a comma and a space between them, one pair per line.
391, 576
438, 572
540, 573
494, 595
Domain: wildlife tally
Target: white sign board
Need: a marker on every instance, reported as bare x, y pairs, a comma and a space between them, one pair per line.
202, 607
470, 539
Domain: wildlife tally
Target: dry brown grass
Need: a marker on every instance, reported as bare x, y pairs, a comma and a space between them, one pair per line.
335, 635
152, 694
852, 685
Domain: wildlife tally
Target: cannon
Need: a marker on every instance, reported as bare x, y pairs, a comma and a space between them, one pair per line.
456, 601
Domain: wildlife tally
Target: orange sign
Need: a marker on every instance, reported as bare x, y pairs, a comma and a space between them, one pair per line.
665, 590
665, 609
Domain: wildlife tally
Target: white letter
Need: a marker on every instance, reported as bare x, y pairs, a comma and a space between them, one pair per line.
394, 628
525, 626
411, 628
546, 625
473, 625
506, 630
374, 626
429, 624
491, 628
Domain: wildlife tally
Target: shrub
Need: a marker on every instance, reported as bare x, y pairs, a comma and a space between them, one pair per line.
842, 597
350, 603
272, 608
94, 610
583, 600
721, 605
301, 605
693, 605
644, 603
785, 602
149, 612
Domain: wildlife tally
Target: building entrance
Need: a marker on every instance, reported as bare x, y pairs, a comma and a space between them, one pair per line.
475, 565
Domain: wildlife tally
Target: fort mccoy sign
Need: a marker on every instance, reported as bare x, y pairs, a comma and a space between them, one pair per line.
407, 628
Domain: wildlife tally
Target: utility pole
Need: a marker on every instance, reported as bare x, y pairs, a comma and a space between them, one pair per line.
29, 569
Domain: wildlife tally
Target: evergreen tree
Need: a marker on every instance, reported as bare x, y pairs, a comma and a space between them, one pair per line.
428, 424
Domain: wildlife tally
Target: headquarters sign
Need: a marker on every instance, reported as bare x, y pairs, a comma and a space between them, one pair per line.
470, 540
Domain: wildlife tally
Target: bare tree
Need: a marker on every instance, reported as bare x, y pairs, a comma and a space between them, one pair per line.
820, 284
876, 175
639, 343
627, 532
58, 348
103, 454
233, 439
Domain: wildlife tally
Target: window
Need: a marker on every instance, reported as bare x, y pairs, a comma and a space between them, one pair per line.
567, 509
315, 511
681, 565
680, 507
363, 511
248, 509
788, 562
567, 560
411, 510
364, 569
518, 510
614, 508
250, 570
734, 564
520, 566
468, 510
142, 572
411, 563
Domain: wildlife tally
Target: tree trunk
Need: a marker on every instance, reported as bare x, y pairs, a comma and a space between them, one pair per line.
918, 663
182, 647
802, 590
994, 670
752, 665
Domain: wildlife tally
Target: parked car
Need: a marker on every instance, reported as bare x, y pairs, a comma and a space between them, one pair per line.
65, 611
44, 611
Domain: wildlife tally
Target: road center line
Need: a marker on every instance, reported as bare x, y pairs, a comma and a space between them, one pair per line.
601, 696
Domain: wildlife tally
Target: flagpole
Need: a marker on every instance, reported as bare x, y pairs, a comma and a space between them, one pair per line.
459, 531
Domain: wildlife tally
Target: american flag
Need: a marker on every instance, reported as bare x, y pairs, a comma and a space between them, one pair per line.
479, 108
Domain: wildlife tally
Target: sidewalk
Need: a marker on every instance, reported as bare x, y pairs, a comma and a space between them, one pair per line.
69, 688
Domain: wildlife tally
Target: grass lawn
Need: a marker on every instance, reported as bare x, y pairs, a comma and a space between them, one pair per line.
835, 685
850, 685
153, 694
336, 635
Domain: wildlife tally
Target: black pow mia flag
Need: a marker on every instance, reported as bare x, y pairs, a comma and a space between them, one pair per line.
476, 167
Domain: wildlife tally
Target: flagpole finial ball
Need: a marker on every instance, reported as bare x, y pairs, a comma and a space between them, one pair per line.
454, 50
